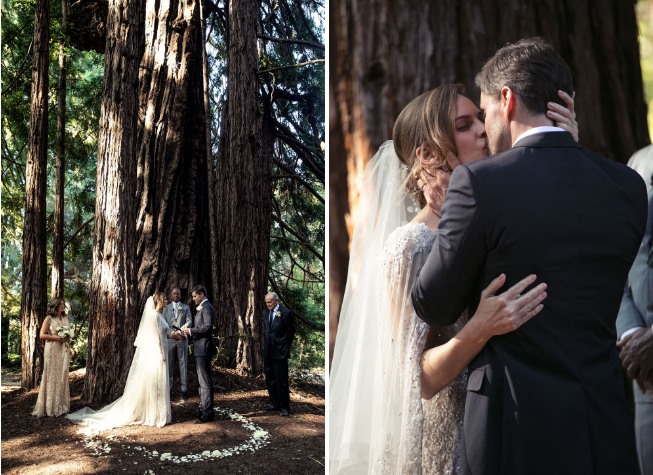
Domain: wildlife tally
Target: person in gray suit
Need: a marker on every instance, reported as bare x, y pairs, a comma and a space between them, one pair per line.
634, 327
178, 314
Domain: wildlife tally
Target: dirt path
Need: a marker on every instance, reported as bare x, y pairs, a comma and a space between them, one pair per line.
244, 438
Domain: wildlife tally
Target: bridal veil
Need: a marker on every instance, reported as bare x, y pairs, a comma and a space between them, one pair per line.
146, 398
361, 392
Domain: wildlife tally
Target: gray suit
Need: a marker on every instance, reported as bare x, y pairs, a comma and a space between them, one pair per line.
637, 311
179, 348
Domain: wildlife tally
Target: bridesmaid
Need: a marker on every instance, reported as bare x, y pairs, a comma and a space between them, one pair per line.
54, 393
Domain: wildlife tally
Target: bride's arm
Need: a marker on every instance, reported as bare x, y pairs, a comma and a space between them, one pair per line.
495, 315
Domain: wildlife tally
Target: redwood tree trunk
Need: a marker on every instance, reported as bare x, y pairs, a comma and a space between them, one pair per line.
114, 314
386, 52
34, 266
173, 216
243, 196
58, 238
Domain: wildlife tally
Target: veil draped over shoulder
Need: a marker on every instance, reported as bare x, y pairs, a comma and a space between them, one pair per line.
362, 377
146, 398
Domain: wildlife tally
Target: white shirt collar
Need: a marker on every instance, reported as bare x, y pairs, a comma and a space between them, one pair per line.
275, 308
202, 302
538, 130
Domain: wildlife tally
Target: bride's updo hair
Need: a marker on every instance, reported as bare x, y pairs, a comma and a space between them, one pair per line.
159, 300
427, 120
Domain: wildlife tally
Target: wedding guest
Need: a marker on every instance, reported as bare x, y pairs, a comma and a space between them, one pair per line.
279, 334
177, 314
634, 324
54, 393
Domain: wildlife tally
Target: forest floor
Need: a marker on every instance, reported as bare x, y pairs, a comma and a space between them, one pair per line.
244, 438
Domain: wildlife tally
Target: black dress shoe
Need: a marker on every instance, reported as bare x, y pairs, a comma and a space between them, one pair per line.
203, 419
284, 412
272, 408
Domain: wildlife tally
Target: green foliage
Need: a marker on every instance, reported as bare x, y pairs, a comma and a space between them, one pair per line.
645, 23
84, 88
292, 101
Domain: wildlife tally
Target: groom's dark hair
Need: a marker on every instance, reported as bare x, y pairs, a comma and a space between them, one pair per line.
199, 289
532, 69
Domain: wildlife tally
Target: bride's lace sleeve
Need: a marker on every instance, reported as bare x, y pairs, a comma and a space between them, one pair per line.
398, 417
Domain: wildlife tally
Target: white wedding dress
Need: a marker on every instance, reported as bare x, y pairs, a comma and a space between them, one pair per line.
378, 421
146, 398
421, 436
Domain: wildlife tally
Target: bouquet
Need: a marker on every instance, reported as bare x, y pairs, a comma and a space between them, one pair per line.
65, 332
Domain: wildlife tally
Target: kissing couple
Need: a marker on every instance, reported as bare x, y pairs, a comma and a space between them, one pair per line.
477, 335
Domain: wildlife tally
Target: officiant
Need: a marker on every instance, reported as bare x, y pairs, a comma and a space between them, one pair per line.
178, 314
279, 333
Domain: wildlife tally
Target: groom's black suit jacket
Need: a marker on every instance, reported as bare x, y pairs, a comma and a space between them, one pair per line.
547, 398
202, 331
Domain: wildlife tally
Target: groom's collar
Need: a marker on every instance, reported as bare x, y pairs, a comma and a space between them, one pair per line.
538, 130
202, 302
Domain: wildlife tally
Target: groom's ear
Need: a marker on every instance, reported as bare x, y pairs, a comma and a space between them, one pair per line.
508, 102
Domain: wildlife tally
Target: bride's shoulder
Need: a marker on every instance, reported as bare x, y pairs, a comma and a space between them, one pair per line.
409, 238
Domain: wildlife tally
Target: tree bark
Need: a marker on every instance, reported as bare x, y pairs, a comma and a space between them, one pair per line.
57, 289
173, 216
243, 197
114, 315
386, 52
34, 265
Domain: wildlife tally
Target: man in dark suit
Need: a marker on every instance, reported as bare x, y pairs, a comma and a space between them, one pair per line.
547, 398
203, 349
279, 333
634, 327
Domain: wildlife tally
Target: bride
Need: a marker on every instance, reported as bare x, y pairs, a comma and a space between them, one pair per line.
146, 398
378, 421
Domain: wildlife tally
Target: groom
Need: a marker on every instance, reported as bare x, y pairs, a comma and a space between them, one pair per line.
203, 349
547, 398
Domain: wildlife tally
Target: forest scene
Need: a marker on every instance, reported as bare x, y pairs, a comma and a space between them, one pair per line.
148, 146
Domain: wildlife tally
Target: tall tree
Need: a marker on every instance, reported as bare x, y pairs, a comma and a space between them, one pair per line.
114, 314
385, 53
243, 196
173, 216
58, 238
34, 291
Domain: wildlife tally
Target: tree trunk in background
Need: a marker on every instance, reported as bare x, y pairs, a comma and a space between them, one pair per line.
58, 238
214, 282
243, 196
338, 214
173, 215
34, 291
386, 52
114, 315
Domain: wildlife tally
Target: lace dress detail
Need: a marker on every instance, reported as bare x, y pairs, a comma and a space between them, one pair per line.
146, 398
54, 392
418, 436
